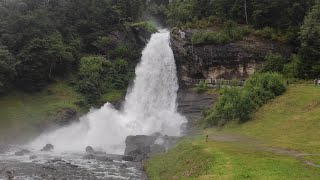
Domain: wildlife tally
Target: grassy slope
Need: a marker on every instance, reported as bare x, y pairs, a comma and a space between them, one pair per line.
21, 113
290, 122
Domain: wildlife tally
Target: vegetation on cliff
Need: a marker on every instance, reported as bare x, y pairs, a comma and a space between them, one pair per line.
295, 23
229, 32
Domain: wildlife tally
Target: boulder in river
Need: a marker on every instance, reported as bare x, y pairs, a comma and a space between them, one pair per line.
127, 158
32, 157
48, 147
142, 147
89, 150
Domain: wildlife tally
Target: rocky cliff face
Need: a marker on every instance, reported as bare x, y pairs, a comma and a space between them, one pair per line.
234, 60
134, 35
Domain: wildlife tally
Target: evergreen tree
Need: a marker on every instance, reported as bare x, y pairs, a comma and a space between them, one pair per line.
310, 44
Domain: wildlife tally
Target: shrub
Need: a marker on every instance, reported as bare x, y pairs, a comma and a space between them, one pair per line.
234, 82
239, 103
291, 70
93, 73
230, 32
210, 38
201, 87
148, 25
273, 63
264, 86
291, 35
121, 51
234, 103
267, 32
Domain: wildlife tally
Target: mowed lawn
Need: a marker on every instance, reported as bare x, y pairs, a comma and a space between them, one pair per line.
282, 141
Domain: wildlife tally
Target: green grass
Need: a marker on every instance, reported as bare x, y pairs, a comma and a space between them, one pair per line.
21, 113
148, 25
223, 36
112, 96
289, 122
196, 159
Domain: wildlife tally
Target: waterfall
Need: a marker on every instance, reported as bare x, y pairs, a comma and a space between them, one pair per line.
150, 106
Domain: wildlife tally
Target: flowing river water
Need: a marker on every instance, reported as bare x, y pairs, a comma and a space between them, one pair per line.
150, 106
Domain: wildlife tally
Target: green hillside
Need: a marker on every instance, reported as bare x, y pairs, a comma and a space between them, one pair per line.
280, 142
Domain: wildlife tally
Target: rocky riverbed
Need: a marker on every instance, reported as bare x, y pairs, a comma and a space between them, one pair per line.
50, 165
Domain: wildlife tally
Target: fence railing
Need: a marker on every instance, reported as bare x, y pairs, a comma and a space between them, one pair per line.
216, 82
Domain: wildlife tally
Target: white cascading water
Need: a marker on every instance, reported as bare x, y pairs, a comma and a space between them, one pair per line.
149, 107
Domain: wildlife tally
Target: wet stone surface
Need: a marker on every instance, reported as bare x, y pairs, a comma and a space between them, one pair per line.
192, 104
50, 166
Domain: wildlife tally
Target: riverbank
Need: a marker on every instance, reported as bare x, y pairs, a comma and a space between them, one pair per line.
280, 142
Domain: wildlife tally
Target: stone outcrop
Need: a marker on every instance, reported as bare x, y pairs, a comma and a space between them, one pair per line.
142, 147
233, 60
191, 105
48, 147
66, 116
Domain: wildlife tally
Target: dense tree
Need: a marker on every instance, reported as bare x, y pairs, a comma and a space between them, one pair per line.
310, 47
98, 75
7, 69
93, 75
274, 13
49, 37
273, 63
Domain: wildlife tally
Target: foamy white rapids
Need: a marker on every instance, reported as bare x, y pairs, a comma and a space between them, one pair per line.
149, 107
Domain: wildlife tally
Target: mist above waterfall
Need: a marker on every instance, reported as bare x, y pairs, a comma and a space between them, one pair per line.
149, 107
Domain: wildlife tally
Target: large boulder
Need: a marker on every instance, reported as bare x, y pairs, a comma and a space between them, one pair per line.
48, 147
89, 150
66, 116
139, 144
127, 158
142, 147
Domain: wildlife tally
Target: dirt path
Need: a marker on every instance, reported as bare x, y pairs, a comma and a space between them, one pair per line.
260, 145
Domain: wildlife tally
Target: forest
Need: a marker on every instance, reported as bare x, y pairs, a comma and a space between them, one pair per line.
45, 40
